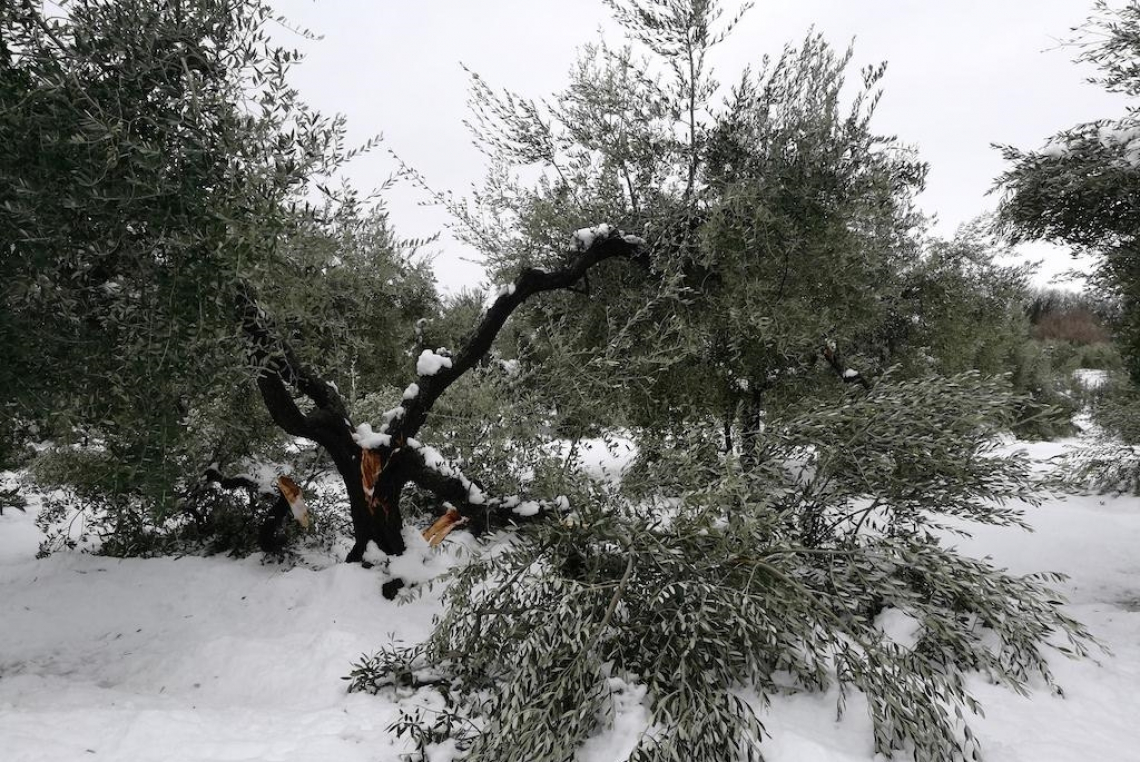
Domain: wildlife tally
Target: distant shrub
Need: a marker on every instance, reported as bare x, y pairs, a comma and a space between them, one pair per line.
1045, 302
85, 509
1109, 459
113, 525
1103, 356
1078, 325
1049, 397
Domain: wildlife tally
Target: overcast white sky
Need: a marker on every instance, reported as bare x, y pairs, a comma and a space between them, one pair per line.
962, 74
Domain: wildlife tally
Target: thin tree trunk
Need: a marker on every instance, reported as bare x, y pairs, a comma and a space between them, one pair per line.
750, 435
729, 416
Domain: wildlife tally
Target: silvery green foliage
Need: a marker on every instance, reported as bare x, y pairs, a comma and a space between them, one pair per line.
775, 216
1103, 466
1108, 460
739, 584
155, 166
136, 191
1080, 187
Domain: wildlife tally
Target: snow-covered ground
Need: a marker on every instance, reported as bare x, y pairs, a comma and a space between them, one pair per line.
217, 659
1090, 378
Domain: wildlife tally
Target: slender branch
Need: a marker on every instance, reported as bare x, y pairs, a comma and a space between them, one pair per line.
281, 405
232, 482
453, 487
692, 118
450, 485
614, 600
846, 374
485, 608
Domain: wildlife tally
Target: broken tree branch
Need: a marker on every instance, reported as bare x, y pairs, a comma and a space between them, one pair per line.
846, 374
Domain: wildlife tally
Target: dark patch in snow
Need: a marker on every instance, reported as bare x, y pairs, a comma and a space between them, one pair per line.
1130, 603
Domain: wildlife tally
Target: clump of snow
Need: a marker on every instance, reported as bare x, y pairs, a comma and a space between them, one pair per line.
389, 415
507, 289
899, 627
430, 363
264, 475
850, 373
445, 751
419, 562
411, 392
373, 554
369, 439
527, 508
299, 445
1055, 148
631, 720
633, 239
585, 237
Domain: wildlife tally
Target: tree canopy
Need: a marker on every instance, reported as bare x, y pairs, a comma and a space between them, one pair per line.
156, 170
1080, 187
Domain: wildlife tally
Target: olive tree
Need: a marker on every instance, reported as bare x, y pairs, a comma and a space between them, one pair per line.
1079, 188
166, 202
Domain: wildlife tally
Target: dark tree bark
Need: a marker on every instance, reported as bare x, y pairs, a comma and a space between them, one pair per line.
751, 441
282, 377
752, 408
726, 430
838, 364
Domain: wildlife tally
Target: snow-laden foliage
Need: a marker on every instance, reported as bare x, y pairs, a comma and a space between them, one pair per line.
744, 582
1108, 460
1081, 189
82, 510
157, 173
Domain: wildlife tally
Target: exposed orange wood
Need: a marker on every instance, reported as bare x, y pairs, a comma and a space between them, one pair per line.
370, 467
443, 526
296, 499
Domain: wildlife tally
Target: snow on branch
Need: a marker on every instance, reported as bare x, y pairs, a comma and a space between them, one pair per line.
430, 363
437, 371
431, 460
837, 363
431, 471
584, 237
369, 439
